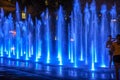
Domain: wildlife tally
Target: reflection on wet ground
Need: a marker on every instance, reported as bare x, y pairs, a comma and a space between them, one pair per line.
21, 70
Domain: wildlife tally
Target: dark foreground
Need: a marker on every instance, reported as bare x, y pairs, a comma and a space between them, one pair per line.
20, 70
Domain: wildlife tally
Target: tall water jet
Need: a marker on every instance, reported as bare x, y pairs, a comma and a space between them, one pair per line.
6, 35
38, 48
93, 34
71, 41
77, 31
103, 34
60, 32
17, 12
25, 40
30, 35
1, 31
113, 22
87, 27
48, 39
18, 32
69, 37
11, 35
17, 44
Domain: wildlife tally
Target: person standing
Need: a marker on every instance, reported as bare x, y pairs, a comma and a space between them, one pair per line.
108, 45
115, 48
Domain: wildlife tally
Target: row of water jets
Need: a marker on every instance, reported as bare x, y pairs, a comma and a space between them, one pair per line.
81, 41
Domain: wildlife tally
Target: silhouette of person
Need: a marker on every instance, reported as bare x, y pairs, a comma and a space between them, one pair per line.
108, 45
116, 55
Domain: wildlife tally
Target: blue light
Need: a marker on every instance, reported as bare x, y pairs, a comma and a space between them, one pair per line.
1, 51
17, 55
1, 60
54, 40
93, 75
48, 68
92, 52
81, 56
26, 57
93, 68
9, 63
72, 60
26, 64
69, 52
96, 56
60, 59
47, 23
17, 63
21, 53
60, 32
36, 60
60, 71
103, 65
48, 57
75, 66
38, 66
87, 25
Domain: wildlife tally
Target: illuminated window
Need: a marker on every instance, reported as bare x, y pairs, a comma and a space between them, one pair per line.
23, 15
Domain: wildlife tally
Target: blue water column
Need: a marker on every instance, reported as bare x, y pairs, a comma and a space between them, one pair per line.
93, 34
1, 32
60, 35
113, 23
103, 34
87, 29
48, 37
38, 41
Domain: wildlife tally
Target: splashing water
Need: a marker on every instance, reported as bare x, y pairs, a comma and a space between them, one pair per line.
77, 43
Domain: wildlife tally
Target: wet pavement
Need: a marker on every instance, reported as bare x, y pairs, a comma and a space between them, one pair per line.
22, 70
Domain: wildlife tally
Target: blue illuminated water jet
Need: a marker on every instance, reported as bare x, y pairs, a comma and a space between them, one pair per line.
93, 33
113, 22
60, 35
48, 39
104, 32
87, 27
76, 30
38, 40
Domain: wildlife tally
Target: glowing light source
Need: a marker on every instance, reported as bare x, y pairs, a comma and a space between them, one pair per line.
23, 15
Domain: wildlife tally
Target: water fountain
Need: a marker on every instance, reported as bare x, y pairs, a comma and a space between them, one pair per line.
83, 43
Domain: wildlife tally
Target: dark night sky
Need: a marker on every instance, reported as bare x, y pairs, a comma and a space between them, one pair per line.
35, 7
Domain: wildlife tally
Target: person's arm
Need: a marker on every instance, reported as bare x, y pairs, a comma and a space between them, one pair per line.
112, 48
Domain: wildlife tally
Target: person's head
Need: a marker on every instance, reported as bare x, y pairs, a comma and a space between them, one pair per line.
118, 37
